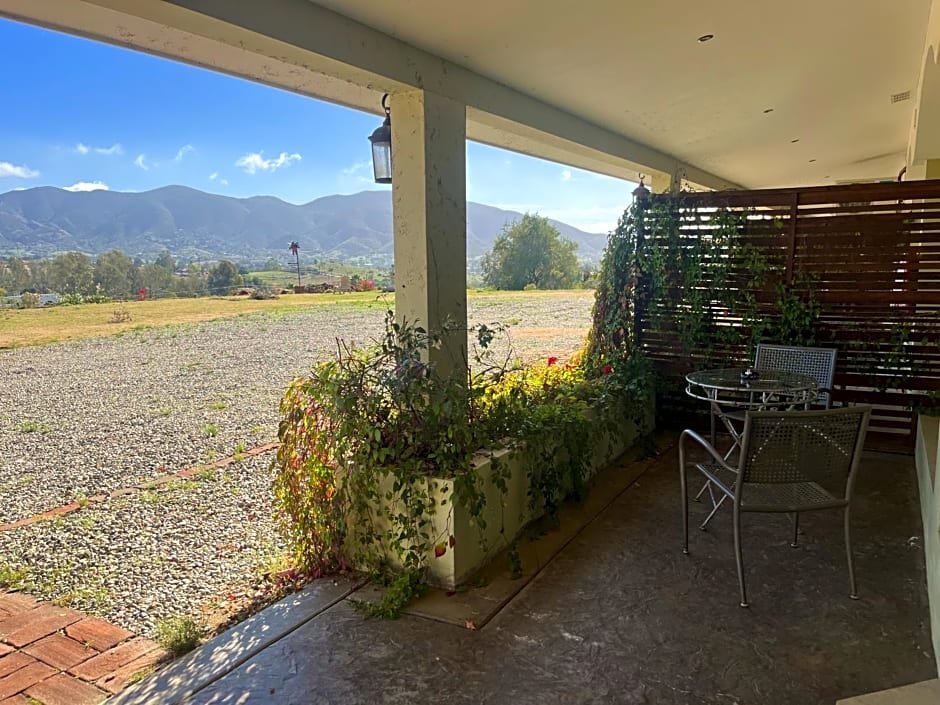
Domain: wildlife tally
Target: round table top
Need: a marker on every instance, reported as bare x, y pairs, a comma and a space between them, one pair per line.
769, 381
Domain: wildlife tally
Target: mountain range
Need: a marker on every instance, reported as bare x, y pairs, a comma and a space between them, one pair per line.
192, 224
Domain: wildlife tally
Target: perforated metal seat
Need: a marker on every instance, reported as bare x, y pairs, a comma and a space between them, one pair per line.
771, 497
790, 461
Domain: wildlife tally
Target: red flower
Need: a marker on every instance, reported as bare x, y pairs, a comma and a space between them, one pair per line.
608, 369
552, 360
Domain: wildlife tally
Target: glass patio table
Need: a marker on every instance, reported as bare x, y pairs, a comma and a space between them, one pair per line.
768, 389
727, 389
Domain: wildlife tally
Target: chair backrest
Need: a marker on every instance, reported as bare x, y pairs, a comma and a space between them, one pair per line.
788, 447
818, 363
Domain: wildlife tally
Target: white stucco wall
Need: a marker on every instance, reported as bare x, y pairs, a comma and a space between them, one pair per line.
928, 455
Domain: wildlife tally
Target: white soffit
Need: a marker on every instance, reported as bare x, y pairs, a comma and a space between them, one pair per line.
828, 70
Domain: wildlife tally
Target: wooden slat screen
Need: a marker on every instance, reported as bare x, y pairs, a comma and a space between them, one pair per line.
872, 255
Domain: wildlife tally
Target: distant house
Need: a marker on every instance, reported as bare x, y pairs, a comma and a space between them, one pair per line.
44, 300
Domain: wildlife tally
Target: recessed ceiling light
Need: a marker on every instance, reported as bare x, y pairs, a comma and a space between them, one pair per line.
706, 38
795, 141
768, 110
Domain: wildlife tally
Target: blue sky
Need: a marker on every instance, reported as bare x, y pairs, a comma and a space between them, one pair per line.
91, 115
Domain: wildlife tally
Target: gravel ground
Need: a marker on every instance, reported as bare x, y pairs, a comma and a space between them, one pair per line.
94, 416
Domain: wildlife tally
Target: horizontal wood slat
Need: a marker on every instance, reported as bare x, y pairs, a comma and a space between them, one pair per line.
872, 253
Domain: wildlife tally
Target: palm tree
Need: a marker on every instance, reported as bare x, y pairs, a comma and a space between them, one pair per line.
294, 248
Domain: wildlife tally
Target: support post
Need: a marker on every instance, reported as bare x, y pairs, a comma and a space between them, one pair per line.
666, 183
429, 195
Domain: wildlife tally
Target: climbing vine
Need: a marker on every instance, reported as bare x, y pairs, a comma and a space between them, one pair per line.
673, 271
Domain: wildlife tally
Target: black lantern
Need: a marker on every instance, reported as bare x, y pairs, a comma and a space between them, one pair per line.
641, 194
381, 141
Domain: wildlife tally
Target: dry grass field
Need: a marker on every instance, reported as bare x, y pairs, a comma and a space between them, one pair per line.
56, 324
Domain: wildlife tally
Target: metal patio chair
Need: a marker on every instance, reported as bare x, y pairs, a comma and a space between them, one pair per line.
790, 462
818, 363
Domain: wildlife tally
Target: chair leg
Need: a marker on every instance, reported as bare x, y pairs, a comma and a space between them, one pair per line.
795, 543
853, 588
737, 553
707, 485
685, 500
713, 425
715, 507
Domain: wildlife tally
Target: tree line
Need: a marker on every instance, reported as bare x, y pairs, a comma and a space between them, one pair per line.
529, 254
114, 275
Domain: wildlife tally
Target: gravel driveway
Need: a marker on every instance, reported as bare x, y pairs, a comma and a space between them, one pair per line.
87, 418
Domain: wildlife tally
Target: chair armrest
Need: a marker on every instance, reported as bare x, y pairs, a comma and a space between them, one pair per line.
716, 456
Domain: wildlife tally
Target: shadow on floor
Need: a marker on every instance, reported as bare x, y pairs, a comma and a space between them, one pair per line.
622, 616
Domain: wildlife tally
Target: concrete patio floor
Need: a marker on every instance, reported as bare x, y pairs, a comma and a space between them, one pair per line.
620, 615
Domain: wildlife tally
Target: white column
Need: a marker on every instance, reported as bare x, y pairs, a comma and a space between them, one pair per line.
429, 189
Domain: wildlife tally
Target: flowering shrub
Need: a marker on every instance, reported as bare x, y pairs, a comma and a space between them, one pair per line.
363, 436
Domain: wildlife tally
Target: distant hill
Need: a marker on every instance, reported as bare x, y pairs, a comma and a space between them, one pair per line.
196, 225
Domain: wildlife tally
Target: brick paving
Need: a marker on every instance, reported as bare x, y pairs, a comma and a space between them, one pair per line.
57, 656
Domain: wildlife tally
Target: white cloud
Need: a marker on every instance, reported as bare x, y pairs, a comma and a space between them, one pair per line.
214, 176
183, 151
88, 186
141, 161
356, 171
356, 168
566, 175
114, 149
17, 171
253, 162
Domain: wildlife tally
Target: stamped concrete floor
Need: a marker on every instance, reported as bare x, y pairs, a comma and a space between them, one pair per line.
620, 615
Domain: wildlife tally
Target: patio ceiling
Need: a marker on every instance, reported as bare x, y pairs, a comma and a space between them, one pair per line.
616, 87
828, 70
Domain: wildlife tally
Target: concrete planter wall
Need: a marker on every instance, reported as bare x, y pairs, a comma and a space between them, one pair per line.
928, 456
505, 514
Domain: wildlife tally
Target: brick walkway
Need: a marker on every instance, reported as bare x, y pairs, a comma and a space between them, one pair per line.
57, 656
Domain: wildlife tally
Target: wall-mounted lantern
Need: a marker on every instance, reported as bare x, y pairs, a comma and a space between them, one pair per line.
381, 141
641, 194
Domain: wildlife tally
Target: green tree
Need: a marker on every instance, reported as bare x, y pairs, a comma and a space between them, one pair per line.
166, 261
192, 282
15, 275
115, 273
272, 265
156, 280
531, 252
72, 273
223, 277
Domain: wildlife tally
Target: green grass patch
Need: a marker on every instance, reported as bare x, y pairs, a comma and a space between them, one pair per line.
179, 635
